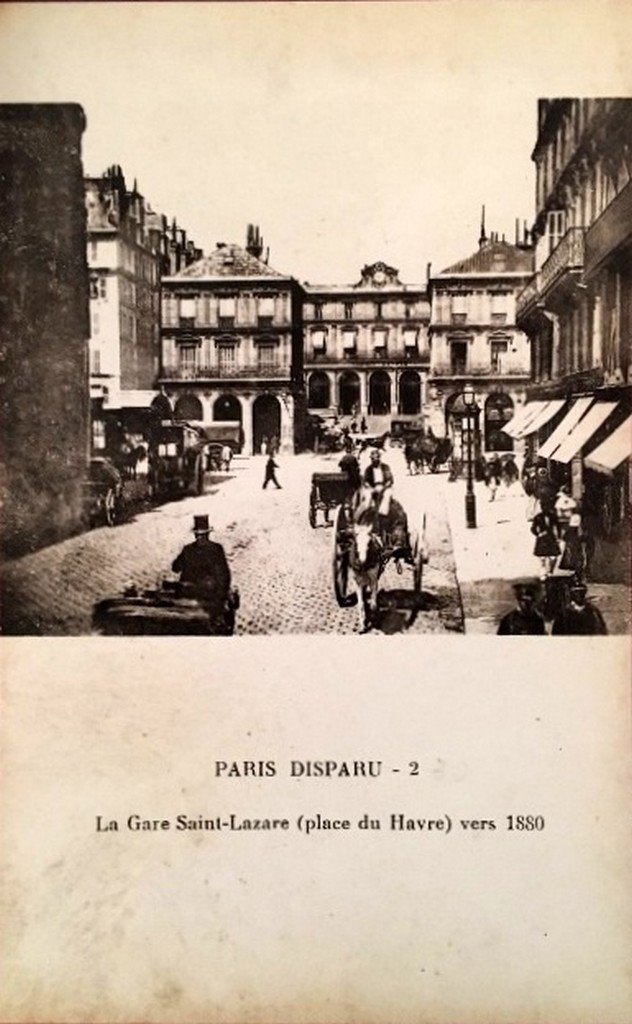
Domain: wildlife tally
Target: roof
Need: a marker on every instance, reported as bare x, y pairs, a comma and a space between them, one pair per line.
495, 258
227, 261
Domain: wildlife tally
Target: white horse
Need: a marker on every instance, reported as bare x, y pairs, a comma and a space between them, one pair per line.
366, 564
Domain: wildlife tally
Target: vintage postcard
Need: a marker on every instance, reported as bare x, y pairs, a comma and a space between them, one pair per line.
315, 446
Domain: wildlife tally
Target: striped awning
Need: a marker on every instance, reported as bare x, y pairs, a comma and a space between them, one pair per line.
522, 418
583, 432
563, 429
543, 417
609, 455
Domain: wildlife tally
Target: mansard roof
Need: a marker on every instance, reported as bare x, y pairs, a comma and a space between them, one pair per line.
494, 257
228, 261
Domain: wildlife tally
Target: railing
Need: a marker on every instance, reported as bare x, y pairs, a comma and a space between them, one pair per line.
400, 358
252, 370
528, 295
568, 255
447, 370
610, 229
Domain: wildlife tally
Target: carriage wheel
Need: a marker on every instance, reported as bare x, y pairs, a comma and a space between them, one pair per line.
312, 508
109, 507
340, 560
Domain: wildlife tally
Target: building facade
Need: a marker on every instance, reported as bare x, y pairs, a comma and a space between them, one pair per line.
474, 339
44, 324
232, 347
577, 308
366, 345
129, 248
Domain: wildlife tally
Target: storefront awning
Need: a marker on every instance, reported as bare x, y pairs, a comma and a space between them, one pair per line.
609, 455
583, 432
522, 418
563, 429
543, 416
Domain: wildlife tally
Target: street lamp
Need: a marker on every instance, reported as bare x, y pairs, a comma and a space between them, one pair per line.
470, 498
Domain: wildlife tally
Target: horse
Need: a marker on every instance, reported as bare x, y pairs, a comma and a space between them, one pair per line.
366, 564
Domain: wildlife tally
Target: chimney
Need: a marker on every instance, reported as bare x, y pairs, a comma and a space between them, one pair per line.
254, 242
483, 237
428, 271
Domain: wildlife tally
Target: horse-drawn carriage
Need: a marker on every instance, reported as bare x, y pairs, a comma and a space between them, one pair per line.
173, 608
328, 491
363, 545
421, 450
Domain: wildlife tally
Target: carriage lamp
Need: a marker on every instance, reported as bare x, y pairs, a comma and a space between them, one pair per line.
470, 414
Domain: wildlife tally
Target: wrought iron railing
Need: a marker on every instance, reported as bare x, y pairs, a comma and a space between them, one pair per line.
568, 255
251, 370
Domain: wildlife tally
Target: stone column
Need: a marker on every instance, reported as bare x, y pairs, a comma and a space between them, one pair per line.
286, 441
364, 392
597, 328
246, 413
394, 391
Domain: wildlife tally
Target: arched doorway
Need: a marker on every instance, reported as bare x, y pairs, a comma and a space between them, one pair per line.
266, 421
189, 407
379, 393
349, 393
227, 407
499, 409
318, 391
409, 393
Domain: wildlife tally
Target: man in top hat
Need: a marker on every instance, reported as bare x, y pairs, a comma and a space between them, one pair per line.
579, 617
525, 620
203, 564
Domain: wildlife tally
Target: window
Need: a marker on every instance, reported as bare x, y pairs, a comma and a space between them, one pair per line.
188, 360
379, 341
499, 318
318, 341
379, 307
94, 250
98, 435
458, 357
349, 341
227, 306
226, 357
95, 360
555, 228
410, 339
265, 307
409, 310
187, 312
498, 349
459, 318
318, 311
348, 310
95, 322
266, 357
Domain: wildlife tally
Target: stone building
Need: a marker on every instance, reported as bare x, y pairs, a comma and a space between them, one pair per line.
474, 339
129, 248
232, 345
577, 308
366, 345
44, 324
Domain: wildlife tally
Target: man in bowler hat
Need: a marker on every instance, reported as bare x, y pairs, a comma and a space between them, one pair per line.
203, 564
525, 620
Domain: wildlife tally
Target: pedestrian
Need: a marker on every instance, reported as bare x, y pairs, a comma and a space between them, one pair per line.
510, 472
227, 454
525, 619
492, 476
270, 475
580, 617
565, 505
363, 425
547, 549
574, 554
203, 565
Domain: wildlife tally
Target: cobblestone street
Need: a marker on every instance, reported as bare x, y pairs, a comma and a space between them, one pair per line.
281, 565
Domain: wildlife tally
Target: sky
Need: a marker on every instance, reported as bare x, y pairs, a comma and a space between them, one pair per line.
350, 132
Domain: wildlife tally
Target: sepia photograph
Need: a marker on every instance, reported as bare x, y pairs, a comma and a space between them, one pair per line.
315, 325
283, 355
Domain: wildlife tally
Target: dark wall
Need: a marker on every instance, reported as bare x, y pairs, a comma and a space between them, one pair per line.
44, 325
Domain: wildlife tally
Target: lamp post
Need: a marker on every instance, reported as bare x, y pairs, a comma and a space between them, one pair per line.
470, 497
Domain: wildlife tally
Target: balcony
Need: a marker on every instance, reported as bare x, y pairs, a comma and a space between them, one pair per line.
566, 258
528, 297
448, 370
379, 356
610, 231
251, 371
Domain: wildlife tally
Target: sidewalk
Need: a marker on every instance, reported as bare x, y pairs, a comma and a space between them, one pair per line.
499, 552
